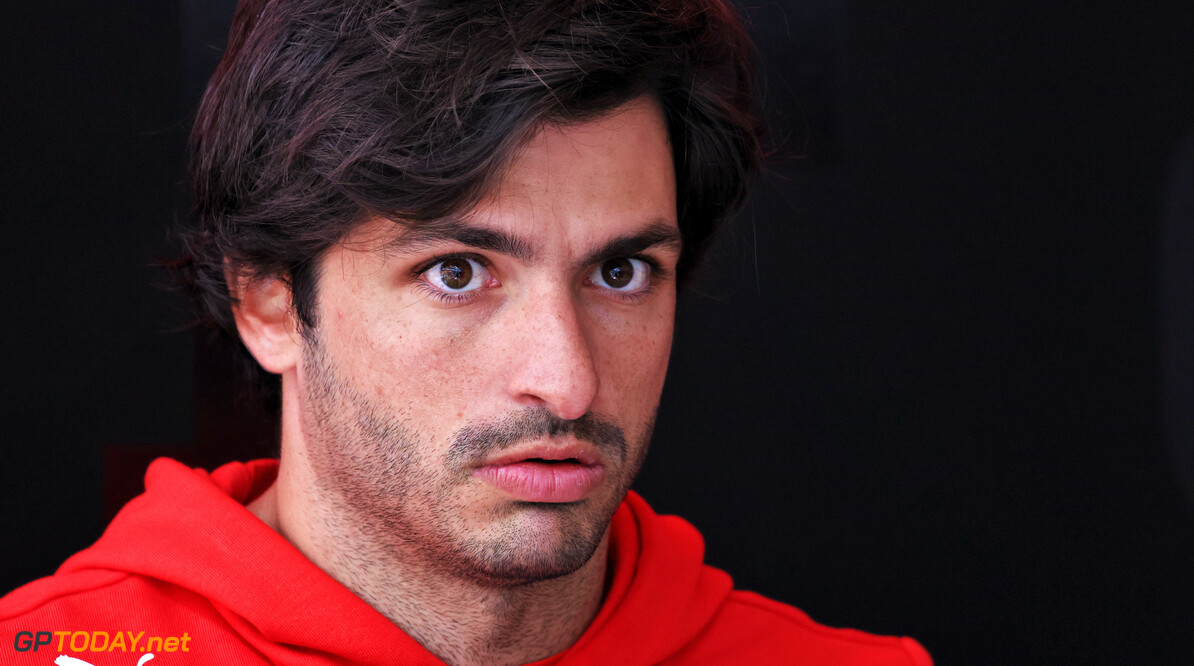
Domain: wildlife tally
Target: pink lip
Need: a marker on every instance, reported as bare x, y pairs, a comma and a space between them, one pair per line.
540, 475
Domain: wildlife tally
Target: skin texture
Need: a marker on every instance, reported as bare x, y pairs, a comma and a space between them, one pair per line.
405, 387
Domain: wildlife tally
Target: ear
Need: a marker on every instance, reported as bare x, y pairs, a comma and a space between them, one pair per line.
266, 322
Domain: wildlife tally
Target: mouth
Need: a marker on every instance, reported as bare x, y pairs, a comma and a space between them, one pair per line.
544, 474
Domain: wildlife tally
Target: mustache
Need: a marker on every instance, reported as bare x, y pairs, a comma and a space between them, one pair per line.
474, 442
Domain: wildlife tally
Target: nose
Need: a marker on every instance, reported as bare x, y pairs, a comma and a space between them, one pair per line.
554, 362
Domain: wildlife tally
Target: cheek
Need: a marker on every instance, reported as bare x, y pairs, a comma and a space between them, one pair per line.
634, 364
426, 367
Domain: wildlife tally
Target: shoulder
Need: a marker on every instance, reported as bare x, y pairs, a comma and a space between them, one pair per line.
93, 595
750, 628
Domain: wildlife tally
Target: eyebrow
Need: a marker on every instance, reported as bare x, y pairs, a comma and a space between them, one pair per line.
657, 233
459, 231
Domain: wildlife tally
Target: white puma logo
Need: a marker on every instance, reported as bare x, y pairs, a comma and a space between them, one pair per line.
64, 660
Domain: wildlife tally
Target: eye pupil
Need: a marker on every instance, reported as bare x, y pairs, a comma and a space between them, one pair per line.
455, 273
617, 273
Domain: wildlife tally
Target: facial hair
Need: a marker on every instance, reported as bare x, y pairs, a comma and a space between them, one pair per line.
375, 472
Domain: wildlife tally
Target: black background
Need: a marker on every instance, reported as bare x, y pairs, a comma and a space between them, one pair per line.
936, 380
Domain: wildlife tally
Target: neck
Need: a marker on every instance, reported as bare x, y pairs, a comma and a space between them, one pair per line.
460, 620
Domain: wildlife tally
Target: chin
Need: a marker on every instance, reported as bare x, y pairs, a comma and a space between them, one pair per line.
544, 545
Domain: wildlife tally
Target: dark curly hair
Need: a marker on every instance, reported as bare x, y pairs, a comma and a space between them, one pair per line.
322, 114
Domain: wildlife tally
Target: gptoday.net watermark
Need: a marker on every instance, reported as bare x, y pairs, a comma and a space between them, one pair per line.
98, 642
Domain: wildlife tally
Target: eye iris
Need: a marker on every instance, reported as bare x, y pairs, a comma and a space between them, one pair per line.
456, 273
617, 273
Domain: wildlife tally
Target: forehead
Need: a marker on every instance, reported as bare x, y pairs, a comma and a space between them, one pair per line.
621, 156
576, 184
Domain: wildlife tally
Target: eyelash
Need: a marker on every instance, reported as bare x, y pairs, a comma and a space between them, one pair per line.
658, 272
445, 297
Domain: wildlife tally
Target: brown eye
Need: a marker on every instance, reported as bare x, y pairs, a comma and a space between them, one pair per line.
617, 273
455, 273
624, 274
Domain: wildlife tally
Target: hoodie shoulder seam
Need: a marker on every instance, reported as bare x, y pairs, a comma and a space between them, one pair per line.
797, 616
32, 606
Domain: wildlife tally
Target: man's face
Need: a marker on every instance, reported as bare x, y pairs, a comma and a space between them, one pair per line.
480, 395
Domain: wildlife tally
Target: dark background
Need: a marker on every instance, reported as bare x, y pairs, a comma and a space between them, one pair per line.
937, 380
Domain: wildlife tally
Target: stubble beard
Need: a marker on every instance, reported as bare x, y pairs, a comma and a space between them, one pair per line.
388, 502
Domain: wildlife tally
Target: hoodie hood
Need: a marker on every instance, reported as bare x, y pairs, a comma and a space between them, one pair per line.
191, 529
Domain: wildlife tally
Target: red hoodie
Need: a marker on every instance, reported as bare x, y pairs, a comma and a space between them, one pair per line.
186, 573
